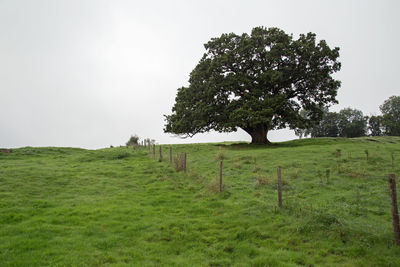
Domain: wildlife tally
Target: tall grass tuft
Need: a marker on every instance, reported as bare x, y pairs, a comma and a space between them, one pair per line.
179, 162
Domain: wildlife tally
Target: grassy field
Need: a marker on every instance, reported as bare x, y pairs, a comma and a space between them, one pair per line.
119, 206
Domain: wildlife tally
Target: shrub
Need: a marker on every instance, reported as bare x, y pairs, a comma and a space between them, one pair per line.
179, 162
133, 140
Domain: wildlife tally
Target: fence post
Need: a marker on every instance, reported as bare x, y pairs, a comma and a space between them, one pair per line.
395, 211
184, 162
170, 155
279, 187
160, 159
220, 176
154, 151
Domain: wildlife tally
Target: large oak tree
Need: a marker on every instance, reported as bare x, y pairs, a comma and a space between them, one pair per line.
257, 82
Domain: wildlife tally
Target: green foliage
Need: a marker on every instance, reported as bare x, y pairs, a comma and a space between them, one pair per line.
327, 127
391, 116
347, 123
352, 123
375, 125
256, 82
133, 140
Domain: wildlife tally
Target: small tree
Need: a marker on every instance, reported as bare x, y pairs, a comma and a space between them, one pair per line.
133, 140
391, 115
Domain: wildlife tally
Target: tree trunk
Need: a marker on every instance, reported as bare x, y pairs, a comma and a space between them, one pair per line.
258, 134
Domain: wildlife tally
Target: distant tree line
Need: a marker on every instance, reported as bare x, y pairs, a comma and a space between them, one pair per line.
350, 122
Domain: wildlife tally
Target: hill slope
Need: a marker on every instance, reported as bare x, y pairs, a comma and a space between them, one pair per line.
64, 206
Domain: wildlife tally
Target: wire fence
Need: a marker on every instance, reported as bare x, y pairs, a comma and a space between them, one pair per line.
348, 210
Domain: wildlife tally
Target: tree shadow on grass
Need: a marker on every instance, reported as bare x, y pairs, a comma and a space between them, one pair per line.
292, 143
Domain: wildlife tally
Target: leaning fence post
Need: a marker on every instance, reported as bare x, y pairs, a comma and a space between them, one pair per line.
279, 187
170, 154
395, 211
184, 162
220, 176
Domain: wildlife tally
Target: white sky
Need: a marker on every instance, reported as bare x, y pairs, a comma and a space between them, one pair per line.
92, 73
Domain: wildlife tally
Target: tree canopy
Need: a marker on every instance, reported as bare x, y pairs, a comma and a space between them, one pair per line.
391, 115
347, 122
256, 82
375, 125
352, 123
327, 127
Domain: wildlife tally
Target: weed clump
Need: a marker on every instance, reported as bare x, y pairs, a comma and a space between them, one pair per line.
179, 162
337, 153
262, 180
237, 165
213, 186
256, 167
221, 156
294, 173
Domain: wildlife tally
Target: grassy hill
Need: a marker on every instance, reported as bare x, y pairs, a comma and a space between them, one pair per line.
119, 206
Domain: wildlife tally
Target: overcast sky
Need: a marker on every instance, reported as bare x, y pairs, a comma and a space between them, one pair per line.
92, 73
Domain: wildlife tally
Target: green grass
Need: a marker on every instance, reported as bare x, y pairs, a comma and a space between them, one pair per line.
119, 206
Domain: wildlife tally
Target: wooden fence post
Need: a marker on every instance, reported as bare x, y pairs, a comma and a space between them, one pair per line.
160, 159
395, 211
220, 176
170, 155
184, 162
154, 151
279, 187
